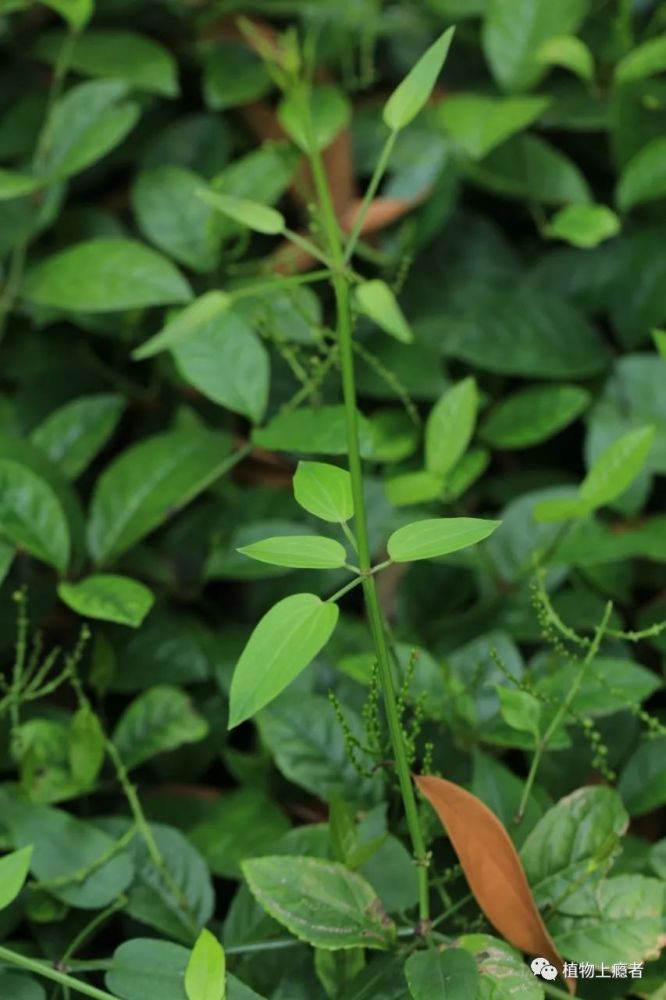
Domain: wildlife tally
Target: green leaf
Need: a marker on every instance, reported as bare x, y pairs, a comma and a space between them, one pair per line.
533, 415
244, 823
108, 598
520, 710
617, 467
513, 35
450, 974
170, 214
185, 324
87, 123
82, 865
413, 93
31, 515
659, 337
503, 973
320, 430
206, 969
73, 434
250, 214
569, 52
325, 491
584, 226
284, 642
159, 720
450, 426
528, 167
320, 902
437, 537
608, 685
14, 185
376, 300
105, 275
233, 75
479, 124
121, 55
573, 844
144, 485
20, 987
560, 509
59, 761
86, 747
228, 363
77, 13
644, 60
14, 870
628, 921
644, 177
329, 111
298, 552
642, 783
414, 487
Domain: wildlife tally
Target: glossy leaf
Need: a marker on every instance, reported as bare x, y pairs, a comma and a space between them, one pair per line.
329, 111
533, 415
105, 275
411, 96
108, 598
436, 537
284, 642
14, 870
450, 974
228, 363
205, 973
644, 177
492, 867
161, 719
569, 52
31, 515
584, 226
325, 491
140, 489
479, 124
73, 434
15, 185
189, 321
120, 55
298, 552
320, 902
251, 214
450, 426
617, 467
643, 61
376, 300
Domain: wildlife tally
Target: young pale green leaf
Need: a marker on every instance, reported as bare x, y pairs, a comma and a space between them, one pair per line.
414, 92
644, 178
251, 214
77, 13
561, 509
450, 426
659, 337
72, 435
13, 185
533, 415
410, 488
437, 537
617, 467
451, 974
14, 870
185, 324
320, 902
478, 124
584, 226
31, 515
329, 111
643, 61
105, 275
520, 709
87, 123
147, 482
570, 53
161, 719
325, 491
376, 300
206, 969
108, 598
298, 552
118, 55
284, 642
227, 362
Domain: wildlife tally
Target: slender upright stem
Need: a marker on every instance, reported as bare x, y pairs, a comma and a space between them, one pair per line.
380, 170
48, 972
344, 329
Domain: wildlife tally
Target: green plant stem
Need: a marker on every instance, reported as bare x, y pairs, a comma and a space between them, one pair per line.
600, 631
277, 283
87, 932
380, 170
307, 246
344, 330
48, 972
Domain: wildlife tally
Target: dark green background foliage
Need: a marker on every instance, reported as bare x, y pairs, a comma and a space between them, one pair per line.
527, 252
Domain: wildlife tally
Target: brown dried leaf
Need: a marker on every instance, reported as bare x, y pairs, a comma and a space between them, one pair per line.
492, 867
383, 212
